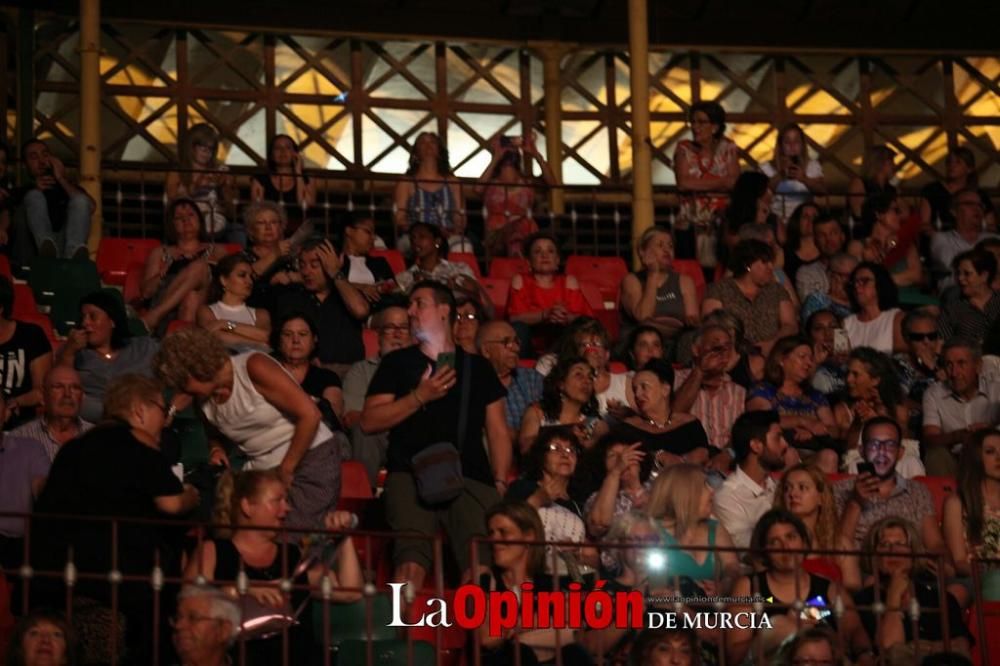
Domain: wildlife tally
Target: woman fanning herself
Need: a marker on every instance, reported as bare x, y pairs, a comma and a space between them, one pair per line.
805, 413
783, 578
805, 492
255, 403
239, 326
257, 499
567, 399
671, 436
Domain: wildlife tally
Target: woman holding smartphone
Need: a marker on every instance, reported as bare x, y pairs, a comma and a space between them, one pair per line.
783, 582
794, 177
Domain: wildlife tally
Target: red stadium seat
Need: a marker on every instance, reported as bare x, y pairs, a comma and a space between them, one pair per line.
988, 640
940, 487
7, 620
606, 272
526, 363
693, 270
354, 480
394, 257
115, 255
468, 259
507, 267
370, 337
24, 301
177, 325
233, 248
617, 368
5, 267
499, 291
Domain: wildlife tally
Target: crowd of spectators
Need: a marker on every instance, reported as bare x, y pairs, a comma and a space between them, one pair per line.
767, 433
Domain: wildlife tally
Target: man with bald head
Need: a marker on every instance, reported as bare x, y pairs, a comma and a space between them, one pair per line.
62, 398
498, 343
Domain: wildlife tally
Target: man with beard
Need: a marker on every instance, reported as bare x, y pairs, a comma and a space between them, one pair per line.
748, 493
868, 498
417, 395
830, 240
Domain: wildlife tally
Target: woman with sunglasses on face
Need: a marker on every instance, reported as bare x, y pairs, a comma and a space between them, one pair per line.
550, 483
239, 326
208, 183
876, 321
285, 183
567, 399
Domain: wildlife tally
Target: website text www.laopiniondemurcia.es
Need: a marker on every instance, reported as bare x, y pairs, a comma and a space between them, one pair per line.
574, 608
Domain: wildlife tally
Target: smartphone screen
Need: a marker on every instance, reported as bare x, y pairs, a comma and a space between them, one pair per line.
445, 359
866, 468
815, 609
841, 343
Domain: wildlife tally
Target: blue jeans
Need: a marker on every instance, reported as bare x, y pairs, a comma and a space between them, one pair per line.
77, 224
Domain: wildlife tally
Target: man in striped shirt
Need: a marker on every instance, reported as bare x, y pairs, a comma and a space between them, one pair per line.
708, 392
62, 397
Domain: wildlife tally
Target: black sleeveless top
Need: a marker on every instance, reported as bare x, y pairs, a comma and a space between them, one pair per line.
818, 587
679, 441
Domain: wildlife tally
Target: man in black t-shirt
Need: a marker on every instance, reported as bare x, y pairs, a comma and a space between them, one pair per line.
418, 399
337, 307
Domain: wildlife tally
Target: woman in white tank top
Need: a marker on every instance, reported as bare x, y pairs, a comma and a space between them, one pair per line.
876, 322
228, 317
258, 406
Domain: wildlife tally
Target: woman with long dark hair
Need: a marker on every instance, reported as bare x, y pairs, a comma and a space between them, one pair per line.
799, 240
227, 315
877, 321
285, 183
567, 399
750, 203
430, 194
971, 520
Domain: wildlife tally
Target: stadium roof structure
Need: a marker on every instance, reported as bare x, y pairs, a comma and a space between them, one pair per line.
962, 26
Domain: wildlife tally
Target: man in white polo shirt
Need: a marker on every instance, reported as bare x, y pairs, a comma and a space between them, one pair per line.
748, 492
957, 408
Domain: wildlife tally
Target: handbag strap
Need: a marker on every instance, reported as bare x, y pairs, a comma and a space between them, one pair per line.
463, 410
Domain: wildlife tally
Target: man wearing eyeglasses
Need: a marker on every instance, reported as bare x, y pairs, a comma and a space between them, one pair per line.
498, 343
969, 211
879, 492
205, 625
957, 408
393, 327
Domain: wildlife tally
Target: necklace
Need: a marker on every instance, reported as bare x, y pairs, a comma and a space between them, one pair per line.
664, 424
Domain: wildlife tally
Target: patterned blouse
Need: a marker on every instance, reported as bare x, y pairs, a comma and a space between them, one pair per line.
761, 317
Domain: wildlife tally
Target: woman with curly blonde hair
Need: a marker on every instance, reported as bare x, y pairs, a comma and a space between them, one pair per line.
805, 492
253, 402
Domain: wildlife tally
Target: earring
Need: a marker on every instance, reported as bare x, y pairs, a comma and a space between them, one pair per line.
748, 269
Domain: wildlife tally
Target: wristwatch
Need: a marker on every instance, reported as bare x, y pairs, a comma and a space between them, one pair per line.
230, 326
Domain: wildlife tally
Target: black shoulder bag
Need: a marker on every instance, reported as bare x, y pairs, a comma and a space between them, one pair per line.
437, 469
